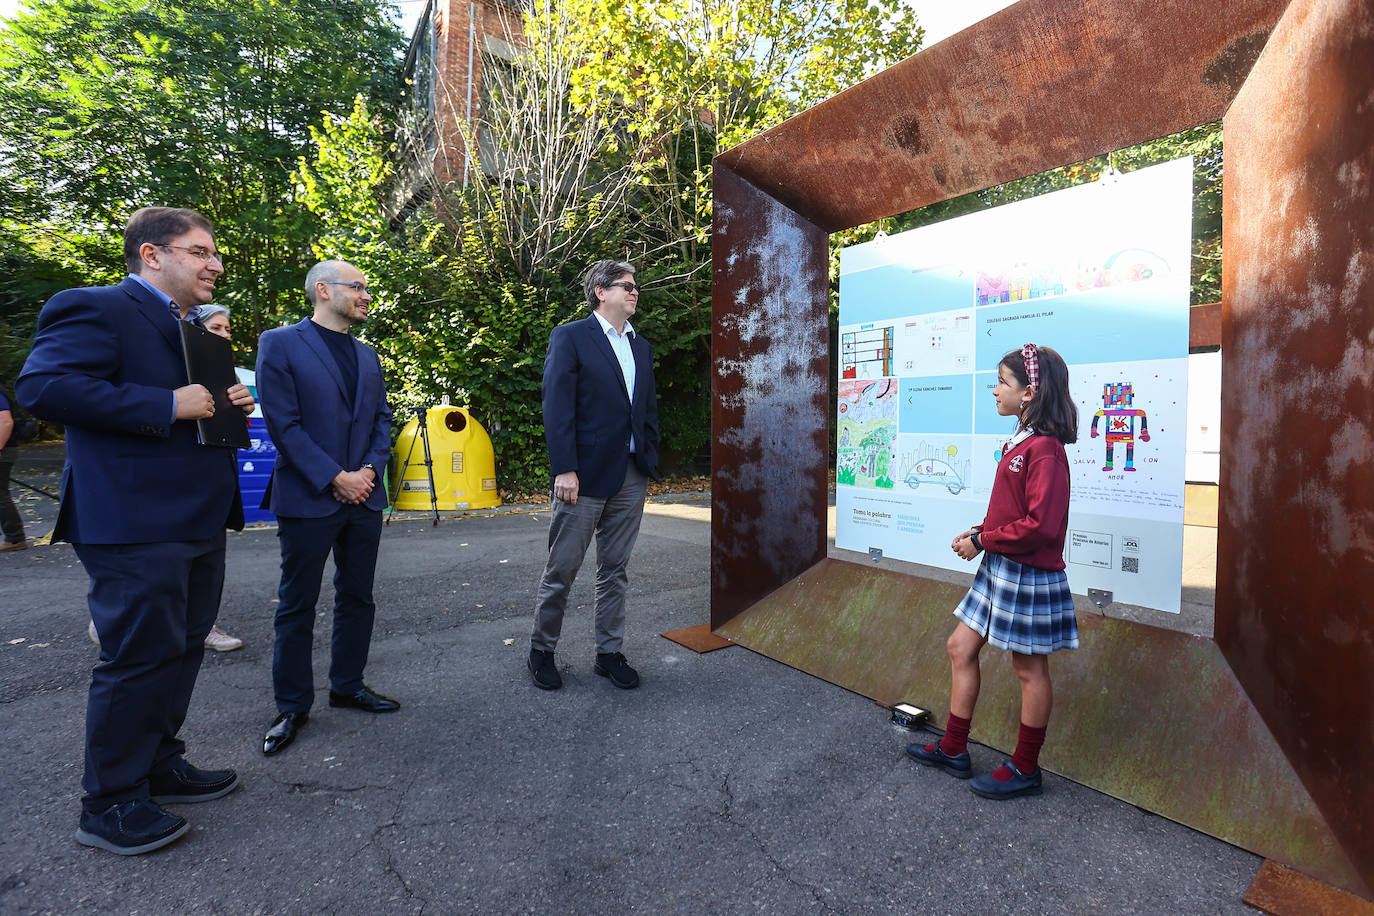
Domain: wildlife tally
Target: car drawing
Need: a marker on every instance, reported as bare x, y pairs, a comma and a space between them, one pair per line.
932, 470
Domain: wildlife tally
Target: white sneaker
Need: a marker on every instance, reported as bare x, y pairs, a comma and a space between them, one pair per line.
90, 631
221, 641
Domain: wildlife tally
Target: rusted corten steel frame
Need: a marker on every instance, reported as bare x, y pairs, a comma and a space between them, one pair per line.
1038, 85
770, 395
1132, 695
1295, 538
1041, 84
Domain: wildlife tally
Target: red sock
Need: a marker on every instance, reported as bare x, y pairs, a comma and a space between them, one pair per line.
1027, 755
955, 741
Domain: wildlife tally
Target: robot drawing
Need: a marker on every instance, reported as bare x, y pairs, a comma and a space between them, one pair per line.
1120, 426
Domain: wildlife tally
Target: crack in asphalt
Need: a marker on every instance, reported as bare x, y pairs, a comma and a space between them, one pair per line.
727, 814
305, 787
379, 840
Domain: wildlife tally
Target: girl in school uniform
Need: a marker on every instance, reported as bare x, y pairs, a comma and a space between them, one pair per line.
1020, 597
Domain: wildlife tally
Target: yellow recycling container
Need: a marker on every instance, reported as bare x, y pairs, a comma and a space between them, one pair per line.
463, 461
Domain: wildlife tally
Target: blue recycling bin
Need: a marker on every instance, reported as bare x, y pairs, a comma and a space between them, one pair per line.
257, 461
255, 470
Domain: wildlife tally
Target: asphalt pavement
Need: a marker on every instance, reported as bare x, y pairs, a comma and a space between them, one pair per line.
727, 783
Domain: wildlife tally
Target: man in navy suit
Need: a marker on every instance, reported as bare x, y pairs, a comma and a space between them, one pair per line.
325, 405
145, 507
601, 427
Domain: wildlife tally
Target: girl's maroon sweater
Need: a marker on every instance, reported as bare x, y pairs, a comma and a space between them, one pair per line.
1028, 513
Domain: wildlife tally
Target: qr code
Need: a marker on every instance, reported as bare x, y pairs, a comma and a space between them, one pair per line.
1130, 564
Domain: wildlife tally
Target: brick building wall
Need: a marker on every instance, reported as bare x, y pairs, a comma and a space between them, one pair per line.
454, 41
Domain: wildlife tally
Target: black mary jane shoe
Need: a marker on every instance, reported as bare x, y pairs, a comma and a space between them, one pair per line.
1019, 784
932, 755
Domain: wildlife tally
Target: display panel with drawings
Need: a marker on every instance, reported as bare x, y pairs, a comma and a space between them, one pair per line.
1100, 273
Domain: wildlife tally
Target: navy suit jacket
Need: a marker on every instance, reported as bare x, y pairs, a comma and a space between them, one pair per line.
303, 401
588, 417
104, 363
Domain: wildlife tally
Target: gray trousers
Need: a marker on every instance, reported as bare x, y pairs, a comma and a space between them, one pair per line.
615, 523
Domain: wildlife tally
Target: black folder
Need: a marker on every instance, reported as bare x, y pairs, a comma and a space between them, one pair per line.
210, 362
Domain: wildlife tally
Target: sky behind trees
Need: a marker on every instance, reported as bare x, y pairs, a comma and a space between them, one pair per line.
939, 18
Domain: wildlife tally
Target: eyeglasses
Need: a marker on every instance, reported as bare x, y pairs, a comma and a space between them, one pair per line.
625, 285
197, 251
355, 286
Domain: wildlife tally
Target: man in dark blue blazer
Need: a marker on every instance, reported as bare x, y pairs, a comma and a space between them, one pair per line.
325, 404
145, 507
601, 427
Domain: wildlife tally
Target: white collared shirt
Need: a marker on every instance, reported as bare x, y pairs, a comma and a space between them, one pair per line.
620, 344
1021, 436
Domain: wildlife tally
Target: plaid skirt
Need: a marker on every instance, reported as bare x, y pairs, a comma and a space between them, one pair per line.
1020, 608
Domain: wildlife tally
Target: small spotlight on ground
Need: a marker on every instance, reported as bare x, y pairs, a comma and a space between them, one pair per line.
910, 716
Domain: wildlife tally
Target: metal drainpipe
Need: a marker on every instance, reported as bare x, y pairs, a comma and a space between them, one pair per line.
472, 39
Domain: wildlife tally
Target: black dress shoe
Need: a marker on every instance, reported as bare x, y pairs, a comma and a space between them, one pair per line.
131, 827
185, 784
541, 665
365, 699
612, 665
283, 731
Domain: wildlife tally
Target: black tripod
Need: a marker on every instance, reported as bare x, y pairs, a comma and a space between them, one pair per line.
422, 427
28, 486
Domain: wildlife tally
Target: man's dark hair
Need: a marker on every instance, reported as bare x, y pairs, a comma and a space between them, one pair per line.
603, 273
158, 226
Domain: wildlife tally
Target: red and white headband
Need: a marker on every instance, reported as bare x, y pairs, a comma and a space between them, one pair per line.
1031, 355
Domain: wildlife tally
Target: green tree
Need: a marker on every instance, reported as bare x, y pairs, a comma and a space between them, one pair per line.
108, 105
579, 162
456, 314
32, 268
547, 182
680, 80
697, 76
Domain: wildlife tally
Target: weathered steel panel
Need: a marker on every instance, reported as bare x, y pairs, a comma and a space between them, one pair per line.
1131, 694
770, 394
1281, 891
1204, 325
1038, 85
1295, 603
1041, 84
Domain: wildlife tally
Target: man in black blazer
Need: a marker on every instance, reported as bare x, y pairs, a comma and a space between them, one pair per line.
145, 506
601, 427
325, 404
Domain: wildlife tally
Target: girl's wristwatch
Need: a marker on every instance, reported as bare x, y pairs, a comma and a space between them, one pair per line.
977, 543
